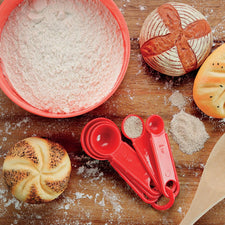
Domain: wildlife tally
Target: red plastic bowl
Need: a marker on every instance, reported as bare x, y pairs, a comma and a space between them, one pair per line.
8, 6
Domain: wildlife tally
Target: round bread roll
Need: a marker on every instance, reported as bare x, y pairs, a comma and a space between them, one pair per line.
37, 170
175, 39
209, 85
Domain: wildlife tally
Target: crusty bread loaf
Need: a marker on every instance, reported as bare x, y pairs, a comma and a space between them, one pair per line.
209, 85
37, 170
175, 39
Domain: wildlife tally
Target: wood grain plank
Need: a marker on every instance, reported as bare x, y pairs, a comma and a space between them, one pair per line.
96, 193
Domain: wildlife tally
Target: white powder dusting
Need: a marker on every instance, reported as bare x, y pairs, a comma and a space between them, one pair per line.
80, 170
108, 203
62, 56
114, 200
218, 29
102, 202
179, 210
189, 132
80, 195
141, 7
105, 204
178, 100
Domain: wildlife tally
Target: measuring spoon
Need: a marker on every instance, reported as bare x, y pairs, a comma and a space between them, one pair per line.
140, 141
84, 135
105, 140
162, 155
142, 193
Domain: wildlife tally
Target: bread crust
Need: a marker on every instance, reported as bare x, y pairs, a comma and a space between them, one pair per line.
175, 39
209, 85
37, 170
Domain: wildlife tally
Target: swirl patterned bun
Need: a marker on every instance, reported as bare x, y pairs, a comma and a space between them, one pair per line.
37, 170
209, 85
175, 39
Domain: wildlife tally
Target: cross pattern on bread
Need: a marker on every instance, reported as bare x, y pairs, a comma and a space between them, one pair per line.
177, 37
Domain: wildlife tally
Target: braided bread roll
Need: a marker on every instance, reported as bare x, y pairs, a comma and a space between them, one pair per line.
209, 85
175, 39
37, 170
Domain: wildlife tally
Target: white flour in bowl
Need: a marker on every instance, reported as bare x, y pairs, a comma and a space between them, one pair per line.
62, 56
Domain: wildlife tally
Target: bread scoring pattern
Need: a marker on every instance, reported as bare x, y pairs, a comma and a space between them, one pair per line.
175, 39
37, 170
209, 85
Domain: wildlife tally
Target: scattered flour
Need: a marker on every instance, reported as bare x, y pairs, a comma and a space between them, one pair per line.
80, 195
178, 100
54, 53
114, 201
102, 202
84, 167
141, 7
107, 201
189, 132
80, 170
179, 210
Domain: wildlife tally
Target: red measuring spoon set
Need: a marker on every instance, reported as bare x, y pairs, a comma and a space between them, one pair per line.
148, 168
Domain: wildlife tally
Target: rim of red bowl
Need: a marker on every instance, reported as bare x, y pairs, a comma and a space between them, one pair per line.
8, 6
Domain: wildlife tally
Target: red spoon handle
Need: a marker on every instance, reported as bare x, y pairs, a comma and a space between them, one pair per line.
145, 154
164, 162
140, 191
163, 157
126, 159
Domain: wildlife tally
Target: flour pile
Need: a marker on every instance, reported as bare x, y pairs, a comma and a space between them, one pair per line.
189, 132
62, 56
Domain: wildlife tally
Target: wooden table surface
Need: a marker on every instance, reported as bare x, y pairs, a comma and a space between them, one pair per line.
96, 193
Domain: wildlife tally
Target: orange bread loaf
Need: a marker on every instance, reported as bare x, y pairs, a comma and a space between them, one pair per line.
37, 170
209, 85
175, 39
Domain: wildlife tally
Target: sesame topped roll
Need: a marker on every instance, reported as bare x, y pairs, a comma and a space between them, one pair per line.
37, 170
